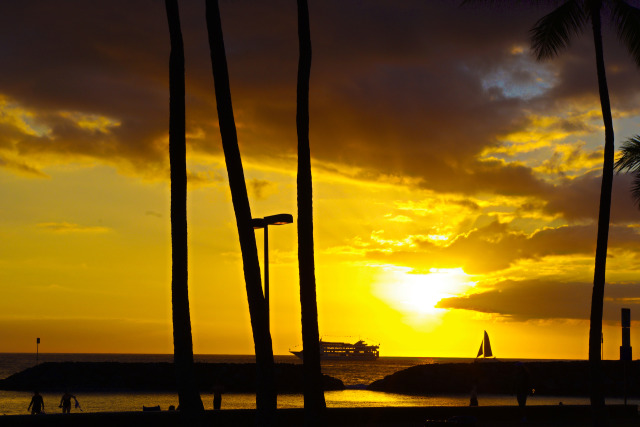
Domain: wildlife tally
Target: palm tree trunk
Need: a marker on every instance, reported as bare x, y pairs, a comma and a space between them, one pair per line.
188, 395
266, 398
597, 299
314, 403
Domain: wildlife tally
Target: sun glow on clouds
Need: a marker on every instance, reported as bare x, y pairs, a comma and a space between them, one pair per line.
91, 122
414, 293
21, 118
542, 130
549, 145
389, 244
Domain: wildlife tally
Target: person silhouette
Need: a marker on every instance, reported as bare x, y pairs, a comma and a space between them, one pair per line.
217, 396
523, 387
65, 402
37, 404
473, 399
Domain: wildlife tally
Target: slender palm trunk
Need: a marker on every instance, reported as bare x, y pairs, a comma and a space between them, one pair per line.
188, 395
597, 299
266, 398
314, 403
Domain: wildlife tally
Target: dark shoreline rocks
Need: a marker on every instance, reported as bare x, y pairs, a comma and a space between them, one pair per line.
554, 378
115, 376
570, 378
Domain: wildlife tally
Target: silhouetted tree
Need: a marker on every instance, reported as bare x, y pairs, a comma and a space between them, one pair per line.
266, 398
188, 395
551, 34
314, 403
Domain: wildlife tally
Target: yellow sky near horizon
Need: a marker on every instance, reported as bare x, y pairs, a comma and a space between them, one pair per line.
76, 301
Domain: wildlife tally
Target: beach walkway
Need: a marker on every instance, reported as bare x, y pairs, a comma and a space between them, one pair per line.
494, 416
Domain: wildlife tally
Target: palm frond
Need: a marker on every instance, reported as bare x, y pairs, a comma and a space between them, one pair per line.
627, 21
553, 31
630, 161
635, 189
630, 158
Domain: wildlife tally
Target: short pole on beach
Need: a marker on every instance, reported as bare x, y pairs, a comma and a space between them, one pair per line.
37, 352
625, 348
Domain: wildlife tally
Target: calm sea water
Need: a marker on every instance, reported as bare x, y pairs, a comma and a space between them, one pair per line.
354, 375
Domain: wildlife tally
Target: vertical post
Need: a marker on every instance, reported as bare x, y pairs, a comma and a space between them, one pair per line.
624, 378
625, 348
37, 350
266, 273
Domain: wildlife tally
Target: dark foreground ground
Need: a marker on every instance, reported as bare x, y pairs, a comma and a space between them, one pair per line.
494, 416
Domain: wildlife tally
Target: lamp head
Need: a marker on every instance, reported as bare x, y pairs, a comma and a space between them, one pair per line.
278, 219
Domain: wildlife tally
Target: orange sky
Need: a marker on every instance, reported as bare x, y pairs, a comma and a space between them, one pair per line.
456, 180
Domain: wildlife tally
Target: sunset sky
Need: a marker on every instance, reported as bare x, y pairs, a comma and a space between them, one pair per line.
456, 180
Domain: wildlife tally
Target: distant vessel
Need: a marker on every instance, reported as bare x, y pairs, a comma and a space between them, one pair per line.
345, 351
485, 347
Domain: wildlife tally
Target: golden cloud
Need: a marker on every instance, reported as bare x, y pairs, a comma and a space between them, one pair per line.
26, 121
20, 166
91, 122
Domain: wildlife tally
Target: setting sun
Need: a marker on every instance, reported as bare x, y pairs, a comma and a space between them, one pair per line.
419, 293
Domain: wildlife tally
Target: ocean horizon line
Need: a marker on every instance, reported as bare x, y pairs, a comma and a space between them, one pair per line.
293, 356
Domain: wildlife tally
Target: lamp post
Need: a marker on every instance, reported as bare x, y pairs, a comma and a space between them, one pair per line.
279, 219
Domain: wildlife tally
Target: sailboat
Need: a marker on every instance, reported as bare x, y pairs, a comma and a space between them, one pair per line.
485, 347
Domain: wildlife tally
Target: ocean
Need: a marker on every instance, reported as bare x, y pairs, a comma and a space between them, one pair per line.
355, 375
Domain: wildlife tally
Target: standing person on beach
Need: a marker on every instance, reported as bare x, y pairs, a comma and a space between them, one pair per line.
65, 402
37, 404
473, 400
523, 387
217, 397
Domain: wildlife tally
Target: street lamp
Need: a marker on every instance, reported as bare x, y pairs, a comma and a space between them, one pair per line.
279, 219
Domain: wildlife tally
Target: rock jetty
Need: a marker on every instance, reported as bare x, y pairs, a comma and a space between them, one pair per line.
553, 378
114, 376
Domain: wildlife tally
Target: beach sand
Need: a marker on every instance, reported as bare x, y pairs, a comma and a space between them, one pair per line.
494, 416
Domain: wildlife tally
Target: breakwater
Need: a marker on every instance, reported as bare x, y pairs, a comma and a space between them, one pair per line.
115, 376
570, 378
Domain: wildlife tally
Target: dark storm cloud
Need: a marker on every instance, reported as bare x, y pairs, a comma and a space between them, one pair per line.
547, 299
397, 89
97, 58
408, 99
577, 73
579, 199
